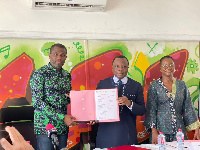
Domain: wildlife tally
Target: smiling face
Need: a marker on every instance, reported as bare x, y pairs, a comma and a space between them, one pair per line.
120, 67
167, 67
57, 57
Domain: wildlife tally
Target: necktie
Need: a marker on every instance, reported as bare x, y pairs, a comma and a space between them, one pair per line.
119, 82
119, 87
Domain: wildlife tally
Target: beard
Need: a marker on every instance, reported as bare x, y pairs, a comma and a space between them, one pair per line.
56, 66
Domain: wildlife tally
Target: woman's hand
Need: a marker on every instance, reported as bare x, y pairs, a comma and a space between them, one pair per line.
196, 134
154, 136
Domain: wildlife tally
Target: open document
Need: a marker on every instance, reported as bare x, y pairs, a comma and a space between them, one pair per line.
95, 105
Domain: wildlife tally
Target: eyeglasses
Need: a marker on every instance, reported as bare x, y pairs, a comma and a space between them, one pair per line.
166, 66
123, 67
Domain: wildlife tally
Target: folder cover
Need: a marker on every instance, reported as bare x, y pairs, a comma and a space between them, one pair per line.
128, 147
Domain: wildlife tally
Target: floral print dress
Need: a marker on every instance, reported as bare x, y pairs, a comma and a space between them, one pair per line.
169, 112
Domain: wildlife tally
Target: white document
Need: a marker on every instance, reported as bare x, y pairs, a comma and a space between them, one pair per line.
107, 107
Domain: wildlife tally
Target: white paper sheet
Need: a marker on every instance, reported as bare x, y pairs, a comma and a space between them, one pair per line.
106, 104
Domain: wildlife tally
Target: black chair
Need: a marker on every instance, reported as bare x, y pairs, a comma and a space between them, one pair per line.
21, 117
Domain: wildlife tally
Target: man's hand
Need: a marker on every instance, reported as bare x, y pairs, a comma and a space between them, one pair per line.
18, 142
124, 101
69, 120
68, 95
91, 123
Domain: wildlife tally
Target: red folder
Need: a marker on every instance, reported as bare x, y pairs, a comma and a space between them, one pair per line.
95, 105
127, 147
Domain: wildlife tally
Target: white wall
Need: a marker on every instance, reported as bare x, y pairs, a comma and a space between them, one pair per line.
122, 20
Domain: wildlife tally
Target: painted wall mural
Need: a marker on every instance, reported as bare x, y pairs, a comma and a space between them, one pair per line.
90, 61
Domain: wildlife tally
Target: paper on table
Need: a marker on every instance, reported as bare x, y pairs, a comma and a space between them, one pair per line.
186, 143
194, 146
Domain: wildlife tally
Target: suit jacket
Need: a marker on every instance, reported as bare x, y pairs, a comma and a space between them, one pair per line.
113, 134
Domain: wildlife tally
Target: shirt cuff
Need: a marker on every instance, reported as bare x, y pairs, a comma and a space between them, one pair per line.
131, 107
193, 126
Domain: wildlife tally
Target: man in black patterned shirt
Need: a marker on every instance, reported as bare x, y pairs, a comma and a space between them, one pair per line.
50, 86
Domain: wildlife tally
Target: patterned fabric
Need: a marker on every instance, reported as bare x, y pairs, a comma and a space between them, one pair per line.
171, 103
49, 88
169, 112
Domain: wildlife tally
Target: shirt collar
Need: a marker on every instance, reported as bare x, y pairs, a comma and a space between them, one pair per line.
124, 80
51, 67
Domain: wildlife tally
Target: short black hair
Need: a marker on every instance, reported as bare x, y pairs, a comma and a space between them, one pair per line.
120, 56
166, 57
58, 45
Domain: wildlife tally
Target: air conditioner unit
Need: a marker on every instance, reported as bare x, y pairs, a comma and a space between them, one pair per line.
77, 5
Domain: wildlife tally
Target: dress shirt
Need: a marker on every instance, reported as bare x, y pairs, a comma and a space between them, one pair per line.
49, 88
124, 81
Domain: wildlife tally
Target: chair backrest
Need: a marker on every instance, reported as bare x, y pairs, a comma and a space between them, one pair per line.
21, 117
18, 113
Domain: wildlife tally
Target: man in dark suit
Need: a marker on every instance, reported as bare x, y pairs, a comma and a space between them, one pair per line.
131, 105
